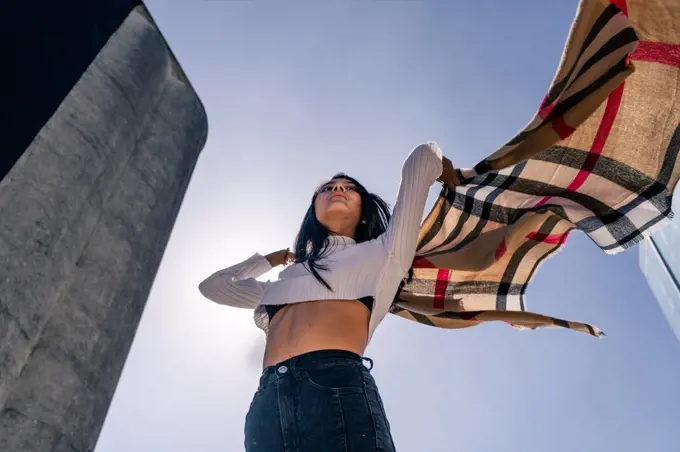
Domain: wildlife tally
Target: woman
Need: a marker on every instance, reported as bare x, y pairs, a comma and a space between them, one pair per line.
315, 394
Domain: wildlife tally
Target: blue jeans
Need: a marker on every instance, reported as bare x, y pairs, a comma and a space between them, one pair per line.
323, 401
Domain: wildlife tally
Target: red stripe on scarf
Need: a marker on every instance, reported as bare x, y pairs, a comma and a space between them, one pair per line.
468, 316
553, 239
622, 5
657, 52
562, 128
610, 112
545, 109
440, 288
501, 250
441, 283
421, 262
606, 124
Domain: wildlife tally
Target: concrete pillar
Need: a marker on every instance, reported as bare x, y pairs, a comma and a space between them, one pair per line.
85, 215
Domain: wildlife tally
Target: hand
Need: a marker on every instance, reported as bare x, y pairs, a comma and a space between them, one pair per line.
281, 257
449, 177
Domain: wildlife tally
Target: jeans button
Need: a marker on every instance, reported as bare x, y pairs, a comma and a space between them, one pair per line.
283, 369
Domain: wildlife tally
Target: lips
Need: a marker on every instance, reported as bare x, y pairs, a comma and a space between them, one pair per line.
337, 196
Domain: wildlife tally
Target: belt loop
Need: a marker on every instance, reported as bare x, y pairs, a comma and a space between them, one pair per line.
292, 362
297, 374
369, 360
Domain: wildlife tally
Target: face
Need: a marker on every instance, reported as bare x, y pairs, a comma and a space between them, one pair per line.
338, 206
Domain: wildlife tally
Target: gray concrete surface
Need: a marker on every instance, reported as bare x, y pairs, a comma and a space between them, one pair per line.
85, 216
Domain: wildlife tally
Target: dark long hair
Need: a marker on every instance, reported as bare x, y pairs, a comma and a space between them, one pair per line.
312, 244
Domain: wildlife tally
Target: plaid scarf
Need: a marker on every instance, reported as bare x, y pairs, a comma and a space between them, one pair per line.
599, 156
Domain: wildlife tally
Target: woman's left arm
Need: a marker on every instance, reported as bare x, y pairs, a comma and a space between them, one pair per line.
421, 169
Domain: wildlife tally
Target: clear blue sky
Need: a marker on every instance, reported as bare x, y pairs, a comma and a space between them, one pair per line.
296, 91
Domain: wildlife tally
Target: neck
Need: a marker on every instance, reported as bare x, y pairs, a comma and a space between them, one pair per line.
344, 232
341, 225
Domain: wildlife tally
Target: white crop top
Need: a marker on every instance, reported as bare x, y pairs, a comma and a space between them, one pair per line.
355, 270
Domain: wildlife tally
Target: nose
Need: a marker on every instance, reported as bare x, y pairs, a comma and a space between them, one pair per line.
339, 187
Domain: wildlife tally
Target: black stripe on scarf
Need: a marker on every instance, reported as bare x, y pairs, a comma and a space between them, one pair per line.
486, 208
469, 205
538, 263
455, 288
576, 98
659, 188
610, 12
558, 88
561, 108
516, 261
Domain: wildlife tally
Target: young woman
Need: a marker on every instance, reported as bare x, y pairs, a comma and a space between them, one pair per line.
315, 393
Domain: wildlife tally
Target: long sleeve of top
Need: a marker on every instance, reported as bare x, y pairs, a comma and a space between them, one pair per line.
421, 169
236, 285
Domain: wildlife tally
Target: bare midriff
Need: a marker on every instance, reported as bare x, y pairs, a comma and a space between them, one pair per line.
317, 325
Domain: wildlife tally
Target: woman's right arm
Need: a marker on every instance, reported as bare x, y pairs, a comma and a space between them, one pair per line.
421, 169
236, 285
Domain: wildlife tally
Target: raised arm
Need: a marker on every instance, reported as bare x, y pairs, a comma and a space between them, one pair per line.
421, 169
236, 285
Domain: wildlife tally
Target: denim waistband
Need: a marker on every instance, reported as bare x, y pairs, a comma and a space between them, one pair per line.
308, 361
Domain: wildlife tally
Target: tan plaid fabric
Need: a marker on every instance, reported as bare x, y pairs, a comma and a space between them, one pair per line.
599, 156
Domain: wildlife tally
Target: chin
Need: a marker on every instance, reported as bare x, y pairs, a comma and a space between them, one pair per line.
337, 207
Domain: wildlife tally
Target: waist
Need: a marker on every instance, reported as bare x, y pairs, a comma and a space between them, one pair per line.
310, 361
